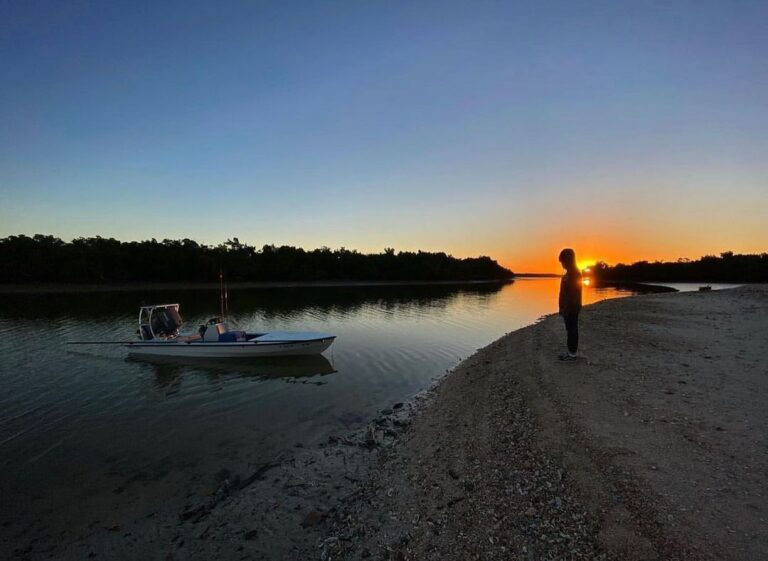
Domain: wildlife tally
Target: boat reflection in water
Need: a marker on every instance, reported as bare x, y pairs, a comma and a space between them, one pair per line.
169, 369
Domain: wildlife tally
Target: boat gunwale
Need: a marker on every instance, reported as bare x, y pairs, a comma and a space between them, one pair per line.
227, 344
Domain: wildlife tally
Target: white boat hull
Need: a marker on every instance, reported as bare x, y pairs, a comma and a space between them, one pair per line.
254, 348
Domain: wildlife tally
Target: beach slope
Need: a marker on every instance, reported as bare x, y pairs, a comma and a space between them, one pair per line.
652, 446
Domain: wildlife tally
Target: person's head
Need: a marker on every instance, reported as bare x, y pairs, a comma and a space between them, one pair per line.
567, 258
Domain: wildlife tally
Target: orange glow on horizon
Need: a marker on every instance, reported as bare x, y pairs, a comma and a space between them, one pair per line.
546, 261
603, 224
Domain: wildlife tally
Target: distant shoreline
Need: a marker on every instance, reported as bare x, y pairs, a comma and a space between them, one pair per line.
75, 288
60, 288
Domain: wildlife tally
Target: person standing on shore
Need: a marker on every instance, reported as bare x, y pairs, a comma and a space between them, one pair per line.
570, 301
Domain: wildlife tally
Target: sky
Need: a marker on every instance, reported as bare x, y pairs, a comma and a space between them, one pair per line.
626, 130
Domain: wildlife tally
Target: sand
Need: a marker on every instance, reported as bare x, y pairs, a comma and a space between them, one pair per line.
652, 446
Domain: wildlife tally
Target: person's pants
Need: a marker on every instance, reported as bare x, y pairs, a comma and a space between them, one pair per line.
572, 329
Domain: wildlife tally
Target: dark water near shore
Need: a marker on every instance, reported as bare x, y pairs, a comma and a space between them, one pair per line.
84, 430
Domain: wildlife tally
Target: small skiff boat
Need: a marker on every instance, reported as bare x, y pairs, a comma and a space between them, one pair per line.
159, 335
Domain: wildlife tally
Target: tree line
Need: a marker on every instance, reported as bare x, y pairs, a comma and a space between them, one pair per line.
47, 259
727, 267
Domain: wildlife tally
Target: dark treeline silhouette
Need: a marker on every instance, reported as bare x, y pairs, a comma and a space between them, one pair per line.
49, 259
728, 267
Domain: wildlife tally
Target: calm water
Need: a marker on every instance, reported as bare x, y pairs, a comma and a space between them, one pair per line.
81, 426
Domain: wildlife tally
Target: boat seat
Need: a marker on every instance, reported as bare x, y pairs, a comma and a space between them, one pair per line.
189, 338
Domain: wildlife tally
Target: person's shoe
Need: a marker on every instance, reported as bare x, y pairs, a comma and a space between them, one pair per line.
567, 357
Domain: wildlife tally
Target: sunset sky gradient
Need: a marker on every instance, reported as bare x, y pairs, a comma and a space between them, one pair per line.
627, 130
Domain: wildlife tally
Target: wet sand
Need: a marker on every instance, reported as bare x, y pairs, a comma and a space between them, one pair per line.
652, 446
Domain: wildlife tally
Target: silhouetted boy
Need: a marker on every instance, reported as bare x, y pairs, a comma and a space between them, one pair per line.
570, 301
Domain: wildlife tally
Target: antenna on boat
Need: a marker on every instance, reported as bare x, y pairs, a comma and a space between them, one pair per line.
221, 292
226, 299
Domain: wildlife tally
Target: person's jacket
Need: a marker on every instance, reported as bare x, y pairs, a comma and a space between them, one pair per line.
570, 292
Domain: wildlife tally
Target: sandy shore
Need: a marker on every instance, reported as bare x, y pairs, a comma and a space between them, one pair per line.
652, 446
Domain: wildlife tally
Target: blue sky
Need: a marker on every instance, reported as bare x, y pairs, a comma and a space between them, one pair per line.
631, 130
